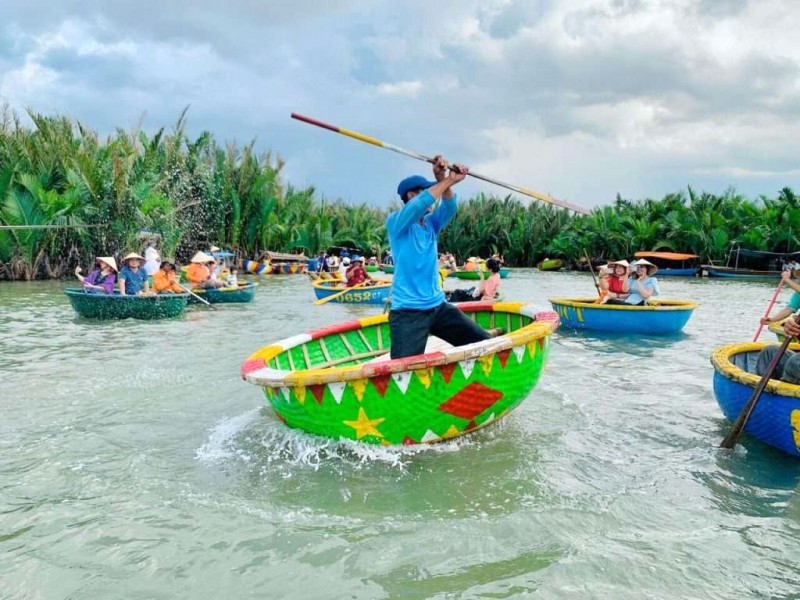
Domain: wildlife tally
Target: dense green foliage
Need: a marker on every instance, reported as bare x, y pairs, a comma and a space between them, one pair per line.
193, 193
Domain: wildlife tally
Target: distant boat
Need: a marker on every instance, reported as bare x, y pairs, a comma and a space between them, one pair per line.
550, 264
504, 272
752, 264
672, 263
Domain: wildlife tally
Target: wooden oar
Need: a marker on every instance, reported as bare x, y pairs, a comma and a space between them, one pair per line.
591, 269
769, 309
376, 142
344, 291
738, 425
206, 302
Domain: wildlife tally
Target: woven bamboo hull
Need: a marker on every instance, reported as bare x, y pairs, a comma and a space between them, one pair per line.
114, 306
245, 292
504, 272
372, 268
668, 316
325, 382
387, 268
553, 264
775, 420
375, 294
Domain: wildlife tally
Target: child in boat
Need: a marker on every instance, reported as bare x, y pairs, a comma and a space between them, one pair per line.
199, 274
788, 368
231, 281
164, 279
101, 280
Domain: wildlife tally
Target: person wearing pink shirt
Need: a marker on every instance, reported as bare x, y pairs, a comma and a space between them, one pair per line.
489, 287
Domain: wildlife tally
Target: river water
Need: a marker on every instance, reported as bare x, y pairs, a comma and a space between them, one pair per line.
135, 463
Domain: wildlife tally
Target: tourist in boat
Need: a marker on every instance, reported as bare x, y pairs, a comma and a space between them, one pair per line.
198, 273
643, 284
619, 283
102, 278
356, 274
788, 368
344, 267
388, 259
418, 302
490, 286
472, 264
232, 281
793, 304
132, 277
164, 281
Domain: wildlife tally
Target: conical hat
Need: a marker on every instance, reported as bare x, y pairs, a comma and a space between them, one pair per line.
132, 255
109, 260
213, 249
646, 263
201, 257
624, 263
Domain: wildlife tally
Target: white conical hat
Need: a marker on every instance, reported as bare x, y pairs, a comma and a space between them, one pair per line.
133, 255
624, 263
109, 260
201, 257
646, 263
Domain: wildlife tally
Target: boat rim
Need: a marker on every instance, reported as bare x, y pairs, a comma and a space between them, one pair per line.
721, 359
254, 371
662, 306
118, 296
321, 284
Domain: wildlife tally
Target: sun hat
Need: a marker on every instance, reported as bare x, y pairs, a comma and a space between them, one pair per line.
613, 263
412, 183
133, 255
213, 249
645, 263
345, 261
109, 260
201, 257
357, 258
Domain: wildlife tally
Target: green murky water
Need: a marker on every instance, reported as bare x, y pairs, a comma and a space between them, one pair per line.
135, 463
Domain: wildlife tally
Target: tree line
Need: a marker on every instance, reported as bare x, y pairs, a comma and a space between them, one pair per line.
79, 197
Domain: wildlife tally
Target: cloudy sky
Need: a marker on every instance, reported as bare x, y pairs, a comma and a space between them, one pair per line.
580, 99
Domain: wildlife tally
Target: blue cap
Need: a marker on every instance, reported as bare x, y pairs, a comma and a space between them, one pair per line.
412, 183
356, 257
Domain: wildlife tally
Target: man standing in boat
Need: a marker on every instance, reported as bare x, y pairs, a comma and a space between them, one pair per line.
418, 303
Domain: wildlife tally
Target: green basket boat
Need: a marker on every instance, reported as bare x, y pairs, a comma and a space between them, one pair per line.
244, 292
551, 264
339, 381
504, 271
371, 268
114, 306
387, 268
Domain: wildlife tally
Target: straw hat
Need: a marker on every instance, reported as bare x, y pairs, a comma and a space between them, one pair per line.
213, 249
201, 257
109, 260
646, 263
614, 263
133, 255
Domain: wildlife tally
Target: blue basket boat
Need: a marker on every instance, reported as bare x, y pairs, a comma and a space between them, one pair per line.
667, 316
775, 420
374, 294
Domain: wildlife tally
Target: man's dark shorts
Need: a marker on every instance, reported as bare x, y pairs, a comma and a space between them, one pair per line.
410, 329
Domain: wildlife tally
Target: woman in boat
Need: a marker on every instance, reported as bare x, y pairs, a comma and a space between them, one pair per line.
619, 286
101, 280
132, 277
642, 284
489, 287
788, 368
198, 273
793, 304
164, 279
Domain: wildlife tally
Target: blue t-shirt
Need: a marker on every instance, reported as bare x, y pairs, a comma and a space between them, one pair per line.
416, 275
649, 283
794, 301
134, 281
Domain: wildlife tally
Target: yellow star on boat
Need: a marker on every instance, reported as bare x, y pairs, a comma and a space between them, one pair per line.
365, 426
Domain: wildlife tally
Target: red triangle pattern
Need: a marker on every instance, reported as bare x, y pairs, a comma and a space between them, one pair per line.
407, 441
318, 391
381, 383
541, 343
470, 426
447, 371
503, 356
471, 401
